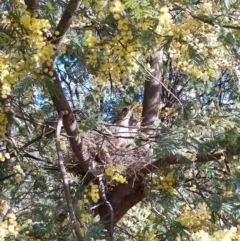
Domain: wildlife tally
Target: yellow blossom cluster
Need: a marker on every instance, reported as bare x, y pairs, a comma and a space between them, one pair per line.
63, 143
114, 173
10, 227
18, 168
86, 218
5, 156
92, 192
137, 110
168, 112
179, 52
117, 7
114, 55
208, 7
28, 32
18, 176
165, 23
63, 48
164, 182
223, 63
231, 234
189, 156
137, 221
118, 54
3, 125
195, 219
90, 39
191, 53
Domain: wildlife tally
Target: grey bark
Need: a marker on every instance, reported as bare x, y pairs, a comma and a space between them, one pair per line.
152, 90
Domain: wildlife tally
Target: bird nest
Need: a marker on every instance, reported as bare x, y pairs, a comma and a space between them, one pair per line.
102, 150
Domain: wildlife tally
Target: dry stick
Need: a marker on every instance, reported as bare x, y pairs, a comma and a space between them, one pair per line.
65, 179
103, 195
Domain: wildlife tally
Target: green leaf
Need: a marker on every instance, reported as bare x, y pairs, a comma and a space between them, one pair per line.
51, 6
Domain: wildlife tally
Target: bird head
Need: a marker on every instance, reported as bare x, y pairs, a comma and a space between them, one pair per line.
125, 115
127, 111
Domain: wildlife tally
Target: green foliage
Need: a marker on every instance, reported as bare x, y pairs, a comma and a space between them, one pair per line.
193, 179
140, 9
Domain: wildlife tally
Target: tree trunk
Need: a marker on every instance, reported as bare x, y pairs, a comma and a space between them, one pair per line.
124, 196
152, 92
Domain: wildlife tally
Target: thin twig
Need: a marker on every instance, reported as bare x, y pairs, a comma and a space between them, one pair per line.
36, 139
126, 232
65, 179
26, 154
103, 195
205, 20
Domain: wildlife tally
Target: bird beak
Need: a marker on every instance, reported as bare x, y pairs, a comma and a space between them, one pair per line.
131, 107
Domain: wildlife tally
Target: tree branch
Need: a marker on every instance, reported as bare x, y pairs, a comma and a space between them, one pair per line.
69, 121
205, 20
59, 99
122, 198
36, 139
66, 21
107, 203
175, 160
31, 4
65, 179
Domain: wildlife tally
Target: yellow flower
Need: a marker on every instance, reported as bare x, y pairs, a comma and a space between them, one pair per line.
118, 6
116, 16
11, 216
25, 20
18, 177
18, 168
109, 171
50, 73
120, 167
123, 24
2, 158
11, 228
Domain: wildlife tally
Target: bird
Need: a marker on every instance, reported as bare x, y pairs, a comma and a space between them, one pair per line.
120, 126
122, 122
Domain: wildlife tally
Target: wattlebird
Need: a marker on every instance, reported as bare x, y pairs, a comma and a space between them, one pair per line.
122, 122
124, 116
120, 128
